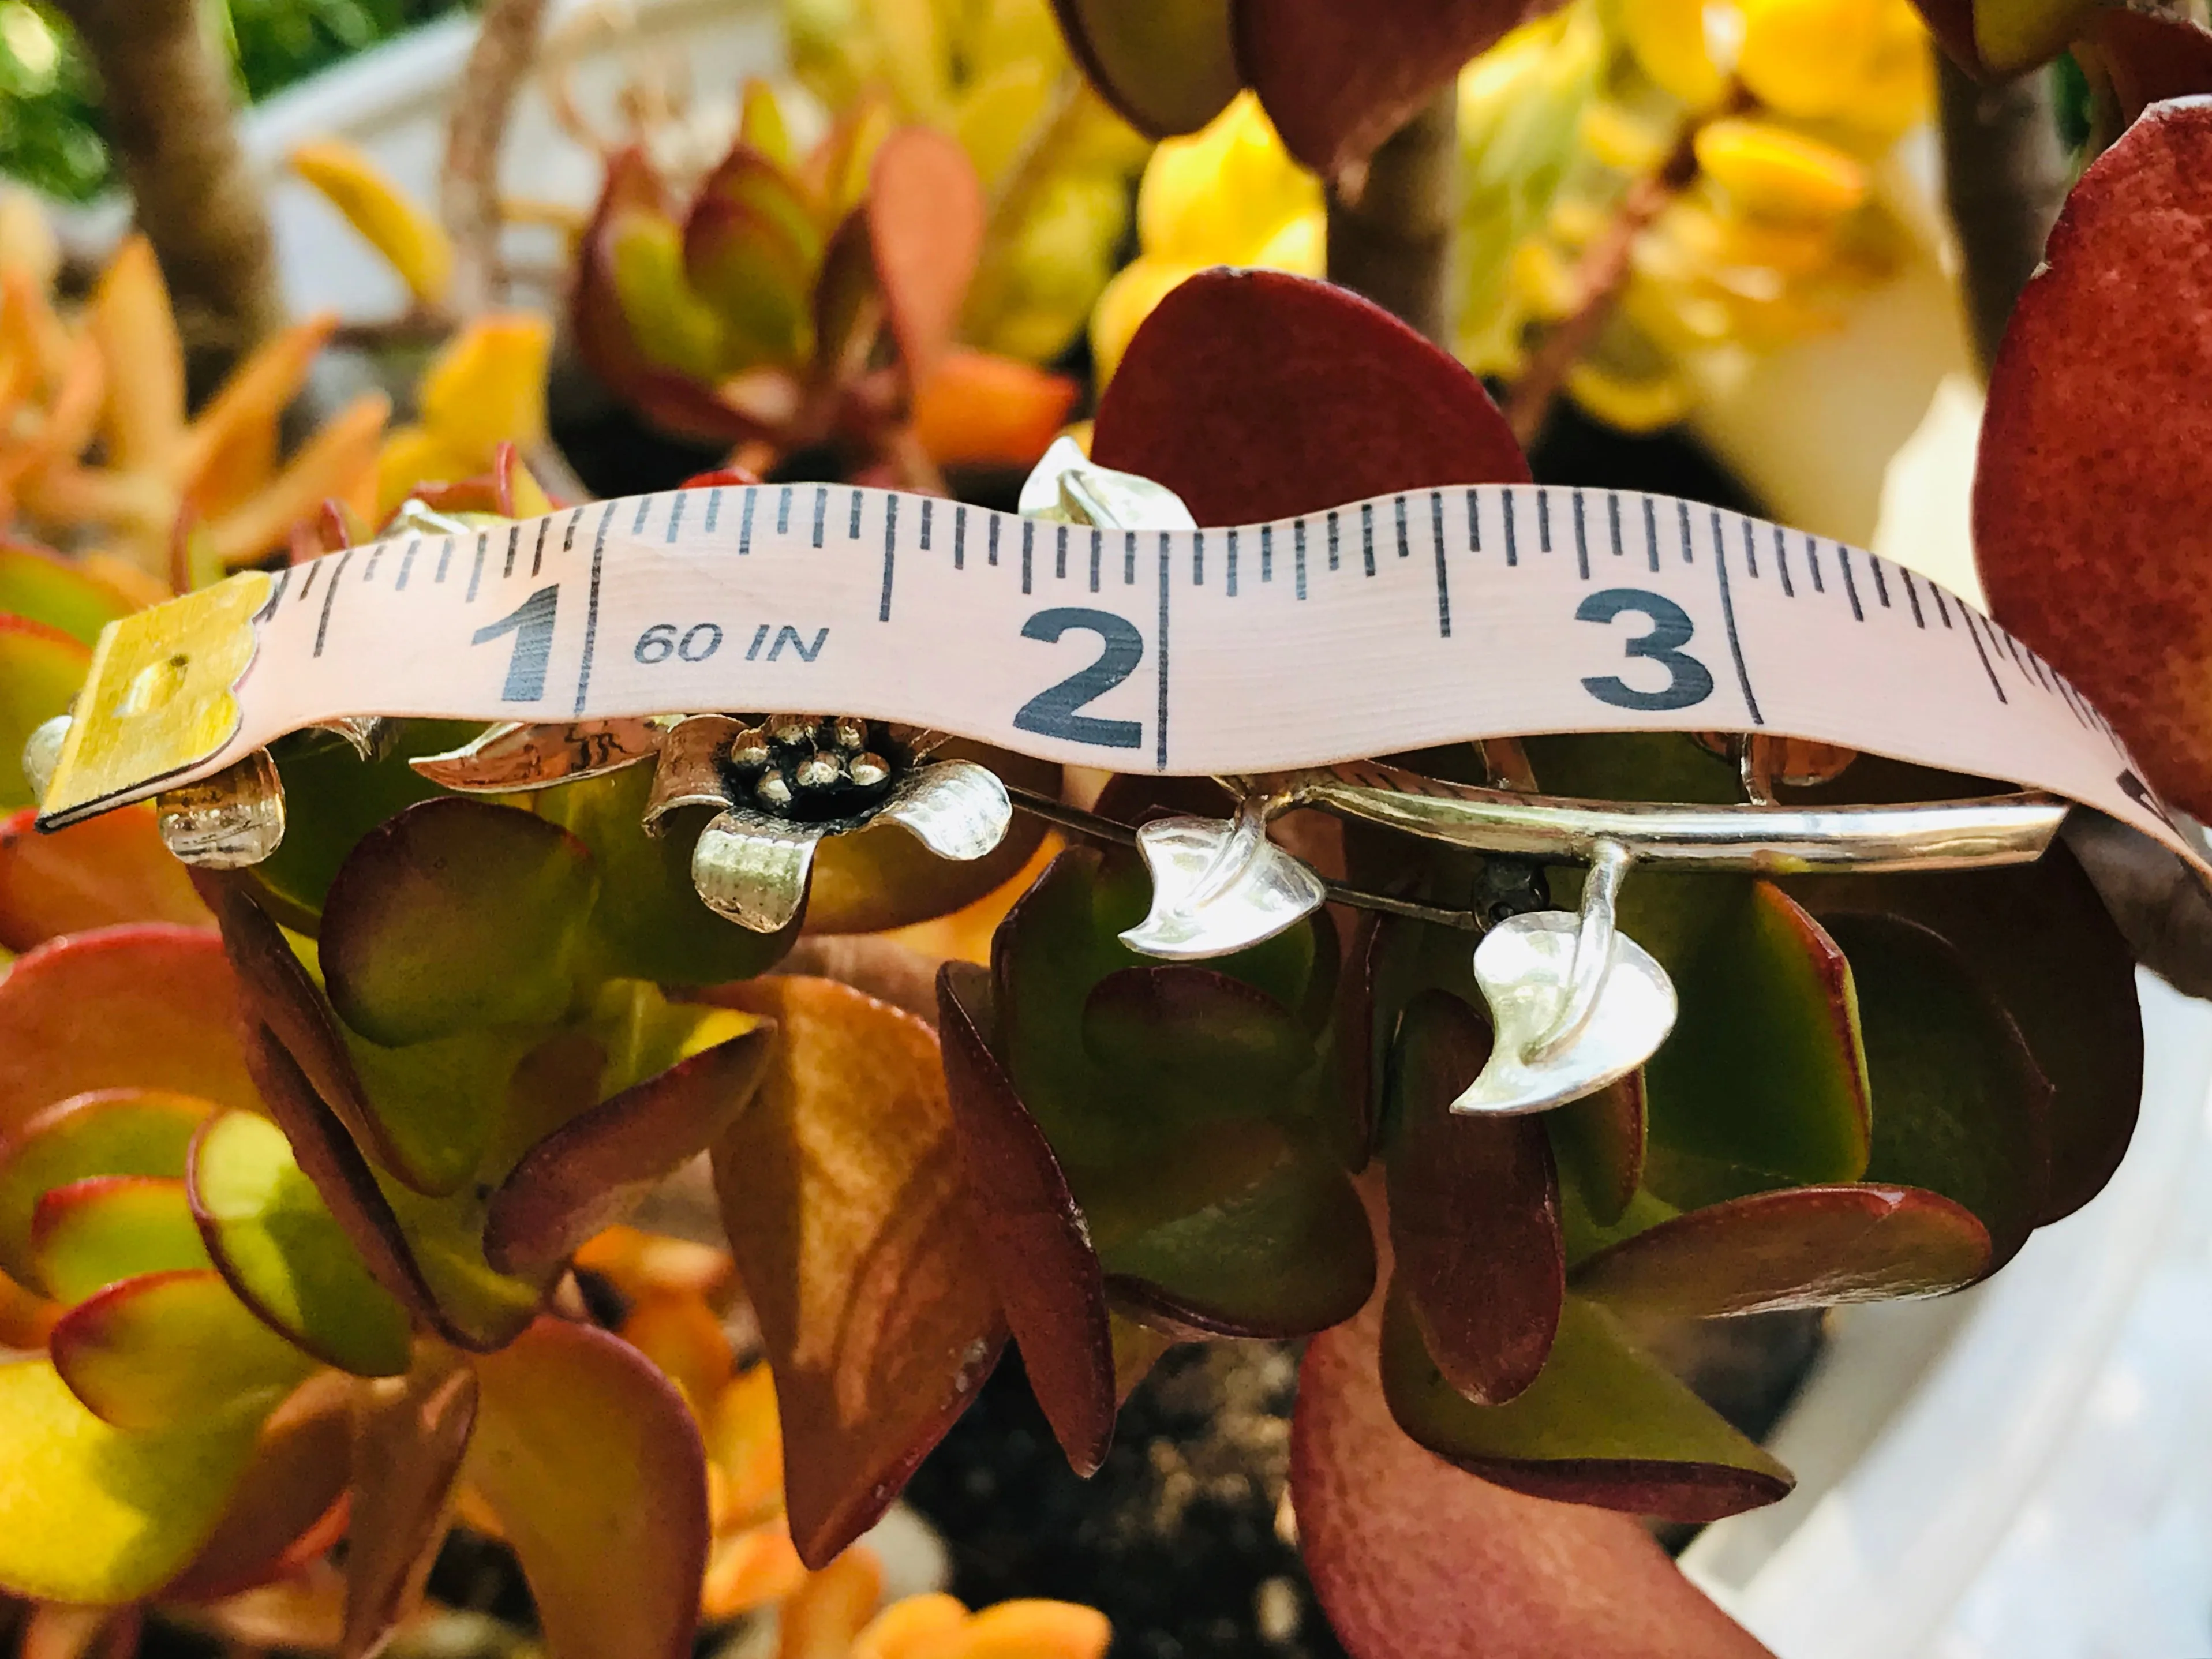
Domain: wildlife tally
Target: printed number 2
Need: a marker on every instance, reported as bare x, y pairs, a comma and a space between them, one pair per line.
1051, 713
1688, 680
531, 624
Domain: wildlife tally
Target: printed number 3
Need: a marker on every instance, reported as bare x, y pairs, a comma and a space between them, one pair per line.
1688, 681
1052, 711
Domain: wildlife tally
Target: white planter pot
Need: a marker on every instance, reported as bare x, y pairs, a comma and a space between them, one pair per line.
2022, 1472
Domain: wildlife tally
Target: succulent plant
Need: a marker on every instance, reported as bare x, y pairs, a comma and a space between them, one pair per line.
803, 301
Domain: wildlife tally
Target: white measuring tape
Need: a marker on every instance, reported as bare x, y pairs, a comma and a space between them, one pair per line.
1375, 627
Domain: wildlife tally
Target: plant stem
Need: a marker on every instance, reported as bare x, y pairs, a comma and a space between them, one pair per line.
168, 105
468, 191
2004, 177
1390, 227
1602, 274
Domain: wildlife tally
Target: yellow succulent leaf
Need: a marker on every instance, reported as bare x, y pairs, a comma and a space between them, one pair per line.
995, 118
1897, 91
941, 1628
412, 243
1808, 58
911, 1627
831, 1608
1300, 248
337, 464
761, 123
2018, 35
1127, 301
488, 386
744, 1444
139, 586
30, 326
913, 57
411, 456
673, 326
136, 331
1217, 196
750, 1570
1669, 40
1631, 406
1616, 139
92, 1515
27, 242
1772, 173
1545, 282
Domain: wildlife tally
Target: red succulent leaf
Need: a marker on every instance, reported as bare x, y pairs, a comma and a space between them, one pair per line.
590, 1173
612, 1541
102, 873
150, 1005
925, 216
1167, 66
673, 401
1803, 1247
1413, 1558
2092, 500
841, 1194
1338, 80
2149, 59
1475, 1211
291, 1500
1254, 396
408, 1436
1032, 1234
720, 478
1600, 1140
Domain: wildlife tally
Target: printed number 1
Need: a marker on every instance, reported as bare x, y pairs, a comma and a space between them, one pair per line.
1688, 681
531, 624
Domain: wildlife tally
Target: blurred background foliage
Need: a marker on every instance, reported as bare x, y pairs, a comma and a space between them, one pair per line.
51, 128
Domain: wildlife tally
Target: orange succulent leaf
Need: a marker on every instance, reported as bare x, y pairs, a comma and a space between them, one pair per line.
879, 1321
755, 1569
1413, 1558
926, 222
410, 1436
680, 1334
831, 1608
229, 447
130, 319
939, 1628
149, 1006
2092, 549
102, 873
483, 394
1257, 395
745, 1442
979, 410
641, 1264
338, 462
613, 1543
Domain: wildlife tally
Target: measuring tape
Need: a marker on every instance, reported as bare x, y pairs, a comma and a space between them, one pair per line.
1369, 628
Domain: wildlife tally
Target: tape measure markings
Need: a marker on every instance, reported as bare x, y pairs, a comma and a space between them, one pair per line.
869, 604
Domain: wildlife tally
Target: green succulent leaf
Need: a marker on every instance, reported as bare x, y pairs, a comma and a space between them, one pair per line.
454, 916
435, 1106
1603, 1425
648, 922
1033, 1236
1764, 1080
167, 1351
758, 282
1167, 66
40, 670
275, 1241
99, 1231
116, 1132
95, 1516
44, 589
1281, 1249
1186, 1035
145, 1006
332, 798
613, 1545
1598, 1142
1961, 1106
1475, 1211
1804, 1246
2039, 937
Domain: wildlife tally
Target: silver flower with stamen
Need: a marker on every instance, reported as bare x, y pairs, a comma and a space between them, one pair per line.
782, 782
